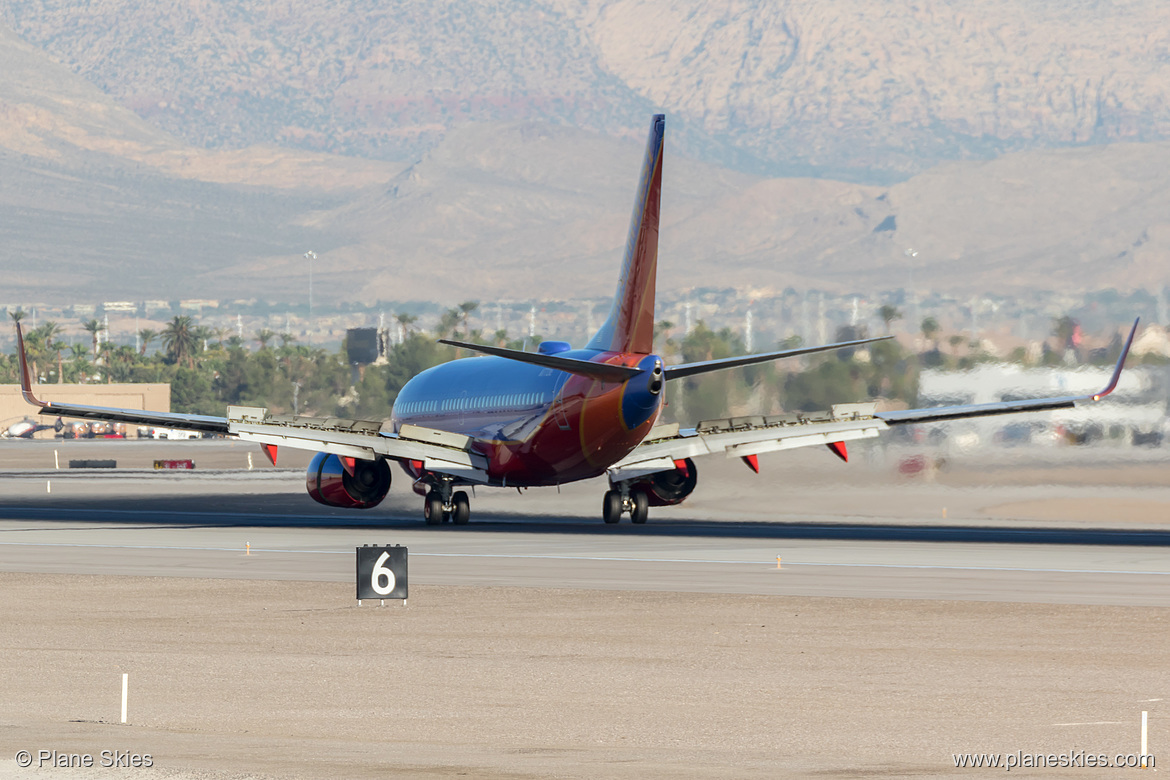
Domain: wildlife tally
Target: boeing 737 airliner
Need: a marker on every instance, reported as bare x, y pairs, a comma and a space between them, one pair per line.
526, 419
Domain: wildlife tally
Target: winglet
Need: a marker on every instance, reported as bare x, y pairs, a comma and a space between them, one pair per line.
1120, 364
25, 375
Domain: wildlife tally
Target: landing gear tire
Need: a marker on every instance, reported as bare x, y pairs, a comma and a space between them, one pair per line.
611, 507
640, 511
460, 508
433, 509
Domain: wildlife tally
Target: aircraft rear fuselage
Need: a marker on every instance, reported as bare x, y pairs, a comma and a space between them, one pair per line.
537, 426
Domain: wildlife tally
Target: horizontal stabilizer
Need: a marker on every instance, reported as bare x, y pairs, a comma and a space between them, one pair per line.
702, 367
602, 371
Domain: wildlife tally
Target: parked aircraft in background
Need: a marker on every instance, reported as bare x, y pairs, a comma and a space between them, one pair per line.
526, 419
26, 428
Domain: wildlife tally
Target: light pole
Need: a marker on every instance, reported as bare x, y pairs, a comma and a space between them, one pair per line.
310, 256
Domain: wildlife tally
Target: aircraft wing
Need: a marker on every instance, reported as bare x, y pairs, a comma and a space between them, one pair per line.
187, 422
438, 451
746, 437
943, 413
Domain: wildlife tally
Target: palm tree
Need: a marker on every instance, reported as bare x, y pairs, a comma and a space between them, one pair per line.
930, 330
203, 336
955, 341
404, 323
264, 336
52, 332
146, 335
17, 315
448, 321
119, 361
465, 309
42, 342
1065, 329
179, 341
94, 329
888, 312
80, 366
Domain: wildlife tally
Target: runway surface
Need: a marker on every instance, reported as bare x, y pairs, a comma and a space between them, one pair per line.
539, 642
214, 527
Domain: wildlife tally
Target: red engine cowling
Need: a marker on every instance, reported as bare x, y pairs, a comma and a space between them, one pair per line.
667, 488
329, 483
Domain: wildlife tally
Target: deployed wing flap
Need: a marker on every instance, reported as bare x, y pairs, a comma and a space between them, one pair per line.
740, 437
441, 451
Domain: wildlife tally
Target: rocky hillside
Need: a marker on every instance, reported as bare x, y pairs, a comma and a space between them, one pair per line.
100, 203
894, 87
519, 211
876, 91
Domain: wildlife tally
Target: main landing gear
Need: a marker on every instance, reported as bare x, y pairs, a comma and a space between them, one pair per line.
441, 505
622, 499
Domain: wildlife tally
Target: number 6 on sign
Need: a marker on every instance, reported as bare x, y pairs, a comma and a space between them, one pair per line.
381, 572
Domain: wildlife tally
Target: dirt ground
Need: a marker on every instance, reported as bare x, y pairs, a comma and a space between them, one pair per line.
234, 679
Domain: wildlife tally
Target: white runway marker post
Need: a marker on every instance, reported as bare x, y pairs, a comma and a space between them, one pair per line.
125, 689
1145, 716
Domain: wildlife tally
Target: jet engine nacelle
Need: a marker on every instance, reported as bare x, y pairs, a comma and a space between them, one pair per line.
667, 488
329, 483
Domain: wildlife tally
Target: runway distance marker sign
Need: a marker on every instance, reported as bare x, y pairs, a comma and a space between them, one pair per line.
381, 572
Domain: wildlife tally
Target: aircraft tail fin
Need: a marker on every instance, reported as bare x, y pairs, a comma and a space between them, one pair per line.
630, 325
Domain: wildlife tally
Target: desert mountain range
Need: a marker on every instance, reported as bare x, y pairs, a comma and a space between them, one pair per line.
437, 151
866, 90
